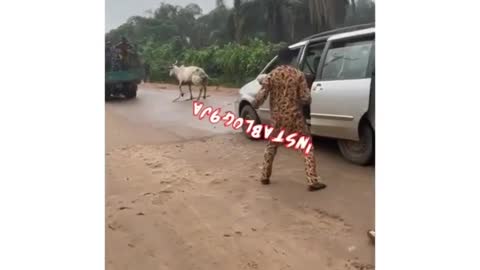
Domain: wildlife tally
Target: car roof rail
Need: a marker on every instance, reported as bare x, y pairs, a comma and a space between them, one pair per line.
341, 30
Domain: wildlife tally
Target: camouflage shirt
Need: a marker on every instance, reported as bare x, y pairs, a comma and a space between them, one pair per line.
289, 92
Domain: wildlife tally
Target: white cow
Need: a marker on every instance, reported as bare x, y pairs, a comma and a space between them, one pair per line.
190, 75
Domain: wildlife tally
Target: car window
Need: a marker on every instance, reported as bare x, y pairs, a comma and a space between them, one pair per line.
271, 66
347, 61
313, 54
295, 59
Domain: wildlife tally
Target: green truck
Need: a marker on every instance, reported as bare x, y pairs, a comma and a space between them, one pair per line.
122, 77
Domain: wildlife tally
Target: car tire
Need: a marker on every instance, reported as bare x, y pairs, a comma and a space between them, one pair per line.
248, 113
108, 94
359, 152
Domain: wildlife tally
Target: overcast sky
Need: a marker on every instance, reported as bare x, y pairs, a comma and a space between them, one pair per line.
118, 11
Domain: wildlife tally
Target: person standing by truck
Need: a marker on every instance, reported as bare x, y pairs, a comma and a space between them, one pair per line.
289, 92
108, 55
147, 72
124, 48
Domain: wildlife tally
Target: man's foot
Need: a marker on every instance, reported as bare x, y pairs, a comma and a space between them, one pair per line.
316, 186
265, 181
371, 235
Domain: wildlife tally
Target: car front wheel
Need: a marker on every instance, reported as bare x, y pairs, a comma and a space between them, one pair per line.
360, 152
248, 113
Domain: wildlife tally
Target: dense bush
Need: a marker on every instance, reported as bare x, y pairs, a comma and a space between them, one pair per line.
230, 64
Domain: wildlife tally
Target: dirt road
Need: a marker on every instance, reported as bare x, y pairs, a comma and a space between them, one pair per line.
182, 194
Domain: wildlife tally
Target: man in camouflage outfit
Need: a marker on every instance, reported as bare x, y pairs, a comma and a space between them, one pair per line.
288, 92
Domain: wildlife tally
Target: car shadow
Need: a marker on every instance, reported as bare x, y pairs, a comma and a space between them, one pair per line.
330, 146
326, 144
118, 99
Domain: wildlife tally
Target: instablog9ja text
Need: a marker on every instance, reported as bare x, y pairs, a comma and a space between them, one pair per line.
295, 140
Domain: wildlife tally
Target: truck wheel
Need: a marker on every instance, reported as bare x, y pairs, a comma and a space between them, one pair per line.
108, 95
359, 152
131, 91
248, 113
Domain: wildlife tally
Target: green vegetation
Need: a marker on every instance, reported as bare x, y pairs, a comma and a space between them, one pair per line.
230, 64
233, 45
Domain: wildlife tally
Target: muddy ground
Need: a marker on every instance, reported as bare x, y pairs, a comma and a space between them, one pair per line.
183, 194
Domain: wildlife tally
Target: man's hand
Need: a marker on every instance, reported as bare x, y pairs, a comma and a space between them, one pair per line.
254, 105
264, 91
261, 77
304, 91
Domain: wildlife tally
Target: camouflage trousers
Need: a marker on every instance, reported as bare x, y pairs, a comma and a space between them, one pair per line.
271, 151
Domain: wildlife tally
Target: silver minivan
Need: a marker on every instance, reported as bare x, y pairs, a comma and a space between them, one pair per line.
340, 69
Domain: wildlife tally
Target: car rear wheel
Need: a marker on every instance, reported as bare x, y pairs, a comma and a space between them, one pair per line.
248, 113
359, 152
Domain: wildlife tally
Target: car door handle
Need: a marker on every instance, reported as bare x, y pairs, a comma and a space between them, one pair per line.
318, 87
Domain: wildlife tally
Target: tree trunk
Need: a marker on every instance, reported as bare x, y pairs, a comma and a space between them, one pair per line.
236, 20
326, 14
317, 14
292, 33
279, 29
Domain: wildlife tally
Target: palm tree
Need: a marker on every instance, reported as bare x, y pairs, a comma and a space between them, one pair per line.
244, 14
238, 20
327, 14
291, 11
274, 14
275, 18
219, 3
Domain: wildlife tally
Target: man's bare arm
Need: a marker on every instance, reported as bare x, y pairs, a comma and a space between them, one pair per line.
263, 93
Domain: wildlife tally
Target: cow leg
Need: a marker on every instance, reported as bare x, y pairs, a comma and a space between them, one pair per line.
181, 92
200, 93
190, 88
